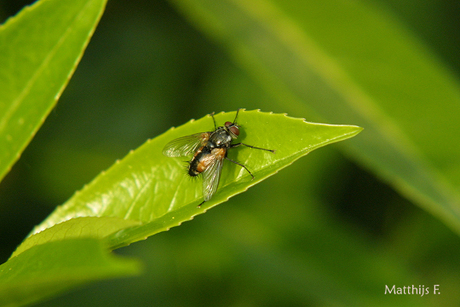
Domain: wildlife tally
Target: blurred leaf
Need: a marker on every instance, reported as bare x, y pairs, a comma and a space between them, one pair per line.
46, 269
39, 51
146, 186
351, 62
83, 227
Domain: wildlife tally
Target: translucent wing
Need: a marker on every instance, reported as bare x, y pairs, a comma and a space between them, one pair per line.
211, 176
186, 145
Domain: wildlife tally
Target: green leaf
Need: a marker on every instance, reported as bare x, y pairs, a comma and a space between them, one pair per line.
348, 61
46, 269
39, 51
149, 187
83, 227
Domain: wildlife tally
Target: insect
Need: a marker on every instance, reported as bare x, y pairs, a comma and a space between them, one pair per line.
209, 150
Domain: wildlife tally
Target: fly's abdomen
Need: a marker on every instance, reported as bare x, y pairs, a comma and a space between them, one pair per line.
202, 160
193, 168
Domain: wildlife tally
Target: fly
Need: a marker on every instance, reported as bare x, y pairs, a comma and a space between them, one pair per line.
209, 150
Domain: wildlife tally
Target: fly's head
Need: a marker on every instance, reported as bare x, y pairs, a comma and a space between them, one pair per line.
233, 129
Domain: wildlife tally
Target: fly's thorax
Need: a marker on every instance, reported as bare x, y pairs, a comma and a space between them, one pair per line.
220, 138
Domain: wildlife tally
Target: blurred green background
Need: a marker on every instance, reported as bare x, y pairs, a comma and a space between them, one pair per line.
324, 232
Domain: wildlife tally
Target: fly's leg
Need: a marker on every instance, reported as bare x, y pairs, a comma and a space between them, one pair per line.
199, 206
250, 146
237, 163
215, 126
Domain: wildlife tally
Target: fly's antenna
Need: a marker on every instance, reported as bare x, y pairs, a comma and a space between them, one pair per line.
215, 126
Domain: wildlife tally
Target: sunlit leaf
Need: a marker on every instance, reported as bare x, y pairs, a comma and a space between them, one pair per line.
149, 187
350, 61
46, 269
39, 51
83, 227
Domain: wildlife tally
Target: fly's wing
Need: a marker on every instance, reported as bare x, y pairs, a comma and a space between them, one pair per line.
211, 176
186, 145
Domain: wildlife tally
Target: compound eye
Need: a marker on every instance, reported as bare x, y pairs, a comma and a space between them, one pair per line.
234, 130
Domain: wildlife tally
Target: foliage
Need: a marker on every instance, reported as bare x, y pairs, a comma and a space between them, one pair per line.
137, 196
323, 232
